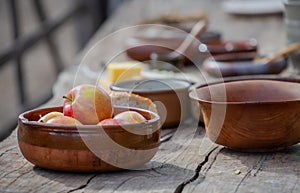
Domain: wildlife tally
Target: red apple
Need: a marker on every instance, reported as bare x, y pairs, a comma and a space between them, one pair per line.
88, 103
50, 115
111, 121
64, 120
130, 117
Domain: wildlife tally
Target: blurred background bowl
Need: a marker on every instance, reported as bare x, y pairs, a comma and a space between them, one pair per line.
140, 47
231, 65
172, 94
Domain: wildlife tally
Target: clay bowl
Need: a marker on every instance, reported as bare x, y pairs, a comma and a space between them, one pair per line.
226, 47
228, 65
88, 148
251, 115
170, 96
141, 47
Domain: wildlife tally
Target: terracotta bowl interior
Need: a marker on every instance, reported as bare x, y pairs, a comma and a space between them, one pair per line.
61, 147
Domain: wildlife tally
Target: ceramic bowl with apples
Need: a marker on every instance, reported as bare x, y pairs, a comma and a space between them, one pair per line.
88, 133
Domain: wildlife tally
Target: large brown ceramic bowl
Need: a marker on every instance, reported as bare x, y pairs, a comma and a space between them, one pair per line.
87, 148
251, 115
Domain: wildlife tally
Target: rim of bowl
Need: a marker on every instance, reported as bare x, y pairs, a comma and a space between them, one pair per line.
244, 62
118, 86
193, 95
220, 46
60, 128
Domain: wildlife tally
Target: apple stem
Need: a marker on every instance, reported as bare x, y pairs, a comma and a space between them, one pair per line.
68, 98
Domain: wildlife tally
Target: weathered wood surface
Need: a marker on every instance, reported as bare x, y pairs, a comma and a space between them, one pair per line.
220, 169
174, 163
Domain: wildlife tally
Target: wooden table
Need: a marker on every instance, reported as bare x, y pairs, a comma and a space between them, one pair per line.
189, 154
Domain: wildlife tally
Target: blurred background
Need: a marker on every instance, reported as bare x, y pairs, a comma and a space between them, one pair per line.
38, 39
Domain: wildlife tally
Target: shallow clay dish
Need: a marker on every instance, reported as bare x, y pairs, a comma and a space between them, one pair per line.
77, 149
251, 115
171, 93
227, 47
141, 47
222, 66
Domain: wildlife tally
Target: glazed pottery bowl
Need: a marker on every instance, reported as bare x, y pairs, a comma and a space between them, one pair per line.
170, 96
88, 148
229, 47
140, 47
251, 115
222, 66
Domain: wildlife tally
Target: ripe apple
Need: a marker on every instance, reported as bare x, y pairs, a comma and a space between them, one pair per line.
88, 103
64, 120
112, 121
50, 115
130, 117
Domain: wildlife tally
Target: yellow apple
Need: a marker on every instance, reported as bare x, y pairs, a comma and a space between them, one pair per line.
50, 115
111, 121
64, 120
130, 117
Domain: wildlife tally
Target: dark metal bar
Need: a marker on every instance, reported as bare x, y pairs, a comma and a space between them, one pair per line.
50, 41
13, 5
23, 44
92, 16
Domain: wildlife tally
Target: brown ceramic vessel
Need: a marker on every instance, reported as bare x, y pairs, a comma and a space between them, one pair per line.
251, 115
222, 66
87, 148
172, 94
140, 48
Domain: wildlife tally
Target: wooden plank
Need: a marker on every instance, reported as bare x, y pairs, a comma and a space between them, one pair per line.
229, 171
174, 163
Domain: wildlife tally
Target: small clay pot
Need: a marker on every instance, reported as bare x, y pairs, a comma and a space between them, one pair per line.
172, 94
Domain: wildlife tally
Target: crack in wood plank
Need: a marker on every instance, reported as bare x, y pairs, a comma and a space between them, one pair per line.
213, 160
181, 186
157, 172
83, 185
257, 167
167, 137
6, 151
242, 180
